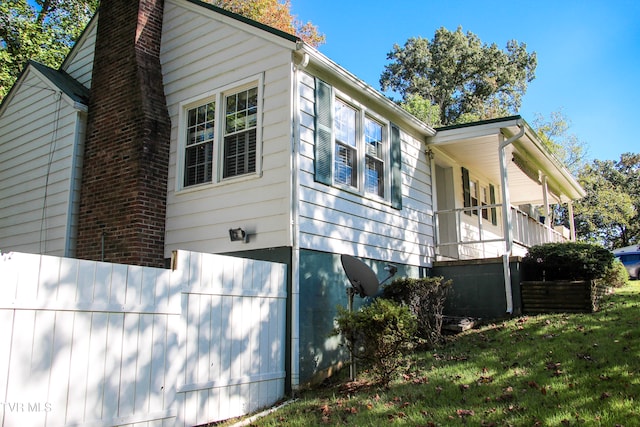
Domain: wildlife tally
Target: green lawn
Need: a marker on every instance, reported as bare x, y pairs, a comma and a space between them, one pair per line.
546, 370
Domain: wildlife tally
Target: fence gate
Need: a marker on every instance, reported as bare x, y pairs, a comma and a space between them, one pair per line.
100, 344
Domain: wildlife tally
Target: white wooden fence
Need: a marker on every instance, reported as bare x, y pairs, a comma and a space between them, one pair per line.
86, 343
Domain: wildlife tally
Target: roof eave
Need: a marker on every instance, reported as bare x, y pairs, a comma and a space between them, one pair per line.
326, 65
529, 144
571, 186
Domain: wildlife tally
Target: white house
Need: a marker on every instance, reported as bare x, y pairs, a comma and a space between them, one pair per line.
273, 142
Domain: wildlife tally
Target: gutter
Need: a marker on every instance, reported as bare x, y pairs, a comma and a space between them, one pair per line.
506, 214
310, 57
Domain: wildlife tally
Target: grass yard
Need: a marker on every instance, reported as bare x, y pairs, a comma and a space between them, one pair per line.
546, 370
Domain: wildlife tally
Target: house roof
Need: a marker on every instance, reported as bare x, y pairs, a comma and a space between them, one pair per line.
63, 81
75, 92
246, 20
476, 146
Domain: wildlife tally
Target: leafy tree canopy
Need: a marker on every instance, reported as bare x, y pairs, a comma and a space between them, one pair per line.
610, 213
44, 30
465, 79
274, 13
566, 147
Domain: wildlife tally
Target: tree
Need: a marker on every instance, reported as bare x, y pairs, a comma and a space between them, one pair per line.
45, 30
466, 79
42, 30
610, 213
422, 108
275, 14
566, 147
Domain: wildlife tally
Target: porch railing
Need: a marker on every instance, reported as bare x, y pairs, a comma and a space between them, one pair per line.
473, 226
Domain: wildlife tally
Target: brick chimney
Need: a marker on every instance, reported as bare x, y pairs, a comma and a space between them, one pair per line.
124, 178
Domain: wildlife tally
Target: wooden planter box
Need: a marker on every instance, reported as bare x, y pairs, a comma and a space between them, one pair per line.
560, 296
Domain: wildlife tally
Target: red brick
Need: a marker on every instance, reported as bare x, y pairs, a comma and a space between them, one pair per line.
124, 181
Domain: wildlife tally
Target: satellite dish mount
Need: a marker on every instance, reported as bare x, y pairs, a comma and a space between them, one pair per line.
364, 282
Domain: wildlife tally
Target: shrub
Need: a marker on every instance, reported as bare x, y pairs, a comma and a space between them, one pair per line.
380, 333
566, 261
615, 276
425, 298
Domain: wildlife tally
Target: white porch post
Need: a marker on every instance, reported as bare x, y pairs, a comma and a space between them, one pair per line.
572, 225
506, 212
506, 199
547, 218
545, 196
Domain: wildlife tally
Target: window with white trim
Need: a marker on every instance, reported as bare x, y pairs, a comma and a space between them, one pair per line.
359, 145
477, 194
241, 121
473, 190
484, 200
355, 148
211, 152
345, 168
374, 157
199, 145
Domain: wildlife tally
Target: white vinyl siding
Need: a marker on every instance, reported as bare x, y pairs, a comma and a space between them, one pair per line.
204, 54
39, 171
339, 221
79, 63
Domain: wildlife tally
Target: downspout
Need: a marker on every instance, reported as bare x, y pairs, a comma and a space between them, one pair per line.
74, 180
506, 213
294, 340
434, 203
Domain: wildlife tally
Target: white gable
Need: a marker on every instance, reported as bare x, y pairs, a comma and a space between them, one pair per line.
40, 132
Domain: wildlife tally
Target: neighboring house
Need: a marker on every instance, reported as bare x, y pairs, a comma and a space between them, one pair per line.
171, 126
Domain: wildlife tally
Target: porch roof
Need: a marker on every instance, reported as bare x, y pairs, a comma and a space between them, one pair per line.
477, 146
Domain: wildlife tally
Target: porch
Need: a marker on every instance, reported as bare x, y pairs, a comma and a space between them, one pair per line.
475, 236
495, 187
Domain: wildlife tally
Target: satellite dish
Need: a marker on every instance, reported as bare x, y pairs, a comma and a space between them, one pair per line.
362, 278
364, 282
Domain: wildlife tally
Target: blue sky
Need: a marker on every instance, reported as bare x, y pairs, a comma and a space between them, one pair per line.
588, 52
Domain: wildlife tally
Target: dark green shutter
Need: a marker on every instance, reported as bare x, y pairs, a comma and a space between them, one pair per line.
492, 200
324, 132
466, 191
396, 168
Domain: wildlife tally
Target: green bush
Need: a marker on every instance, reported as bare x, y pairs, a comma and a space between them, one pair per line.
615, 276
380, 333
425, 298
566, 261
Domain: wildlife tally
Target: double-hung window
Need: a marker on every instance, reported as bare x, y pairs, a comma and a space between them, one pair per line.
374, 181
359, 146
475, 194
199, 144
221, 136
473, 190
345, 169
356, 149
241, 121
